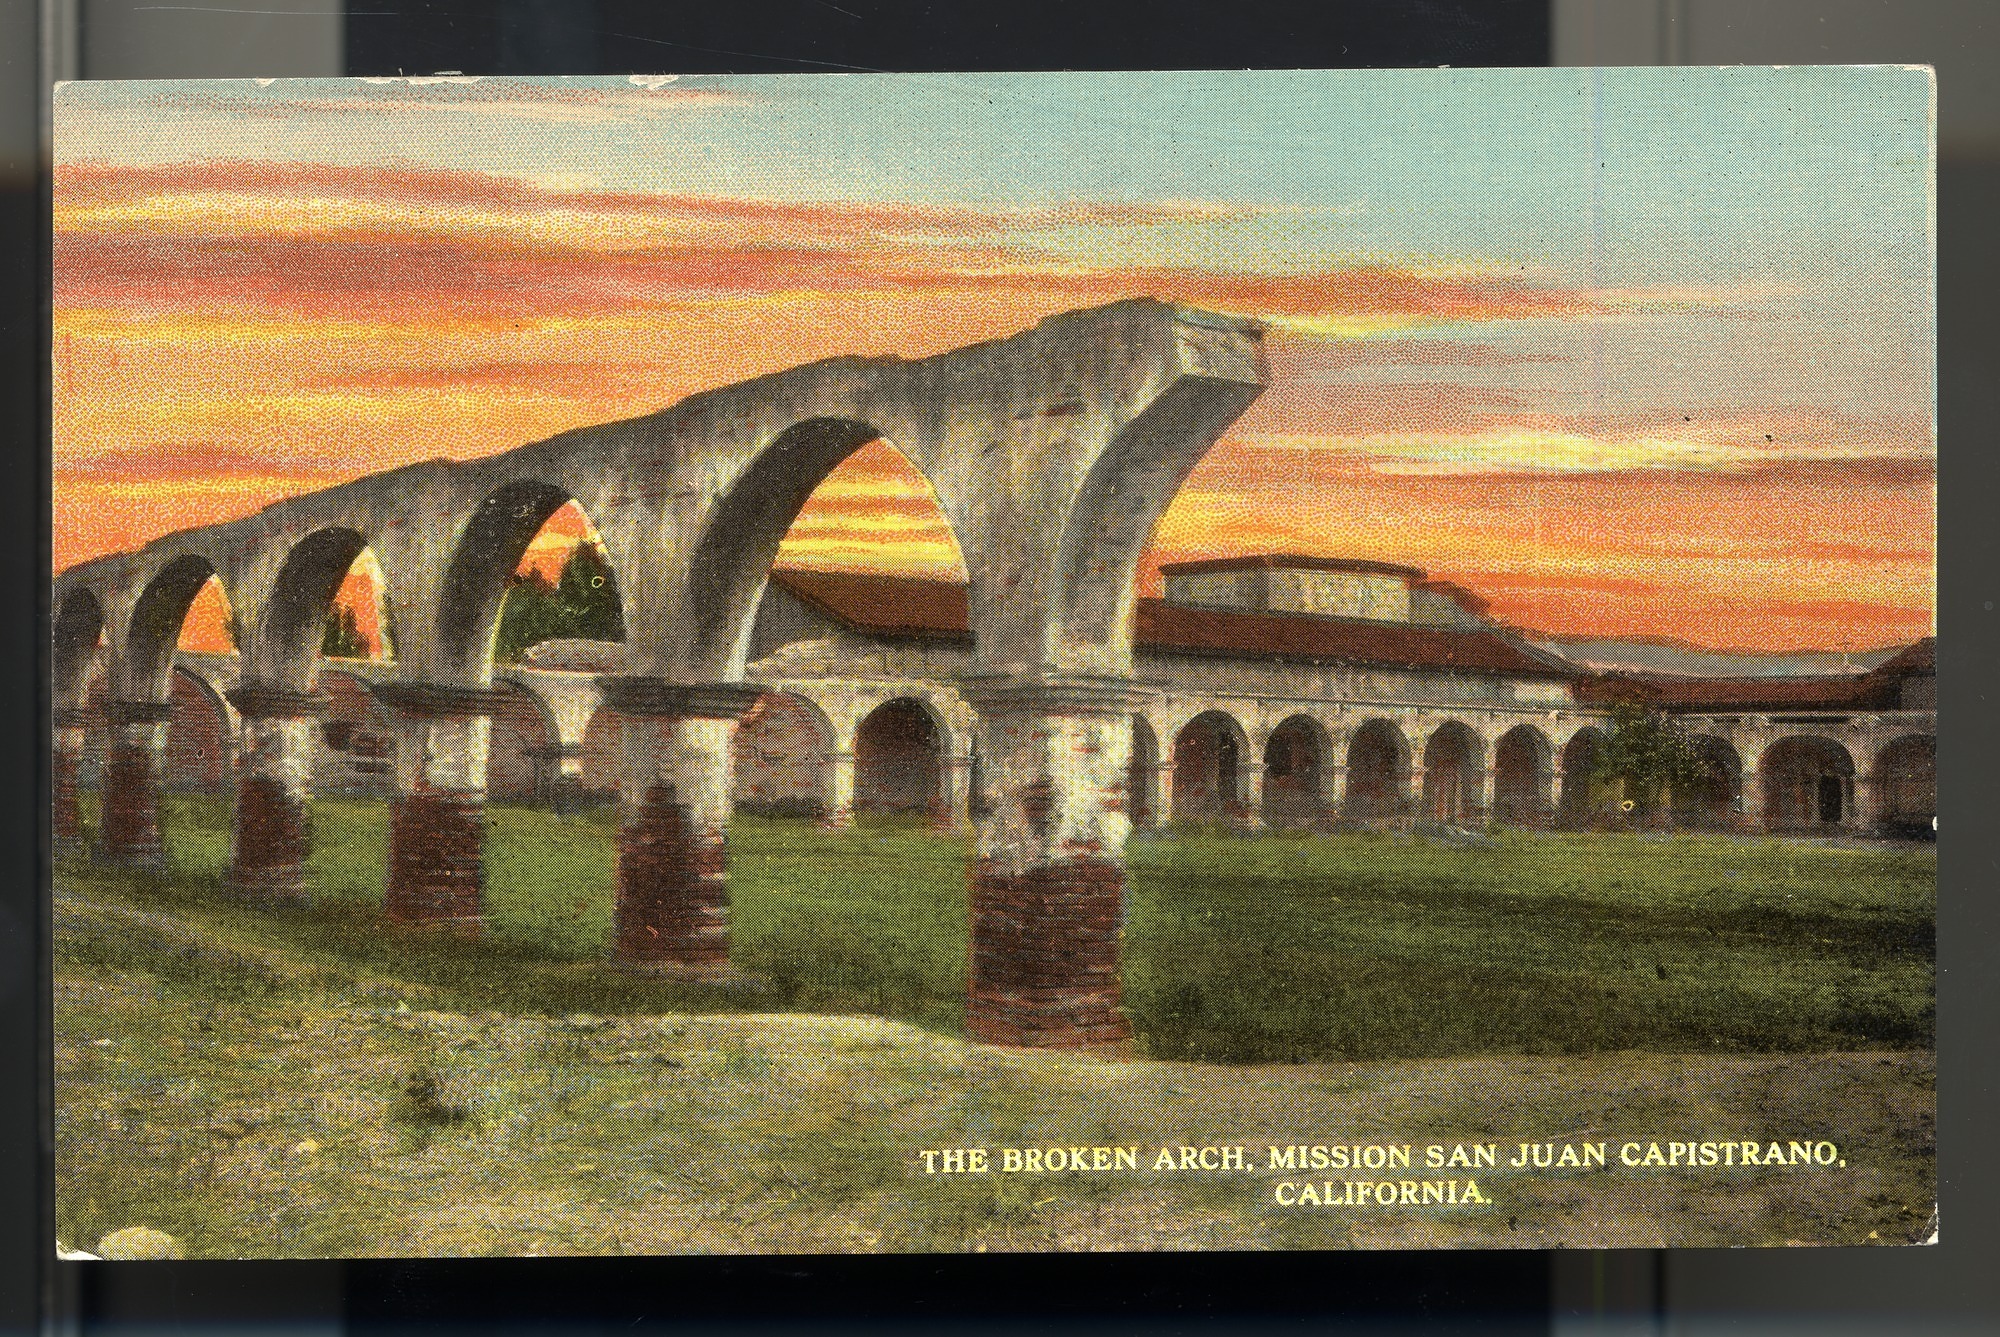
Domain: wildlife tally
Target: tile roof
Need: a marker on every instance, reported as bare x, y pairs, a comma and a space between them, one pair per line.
902, 606
1877, 689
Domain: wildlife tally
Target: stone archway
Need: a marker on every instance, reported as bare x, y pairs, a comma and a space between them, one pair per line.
1714, 797
1451, 775
1905, 776
1208, 757
1295, 774
1378, 772
1052, 453
1808, 783
1585, 798
899, 755
783, 749
1522, 771
1142, 774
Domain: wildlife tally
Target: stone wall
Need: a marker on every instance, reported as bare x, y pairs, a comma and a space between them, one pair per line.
781, 755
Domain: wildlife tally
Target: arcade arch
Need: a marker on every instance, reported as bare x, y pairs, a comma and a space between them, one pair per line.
1714, 796
1142, 775
1208, 757
1378, 772
1905, 774
1808, 784
1451, 774
1296, 772
899, 753
1585, 798
1522, 771
782, 750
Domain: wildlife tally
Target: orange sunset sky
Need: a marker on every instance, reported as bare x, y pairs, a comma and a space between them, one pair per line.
1638, 353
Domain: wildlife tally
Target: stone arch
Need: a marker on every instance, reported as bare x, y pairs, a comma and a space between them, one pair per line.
1142, 775
284, 649
1378, 772
1523, 765
1585, 798
1209, 753
154, 629
200, 743
782, 749
899, 756
357, 741
1452, 762
521, 746
1715, 796
1129, 486
743, 532
1808, 782
1298, 757
1905, 776
77, 634
488, 552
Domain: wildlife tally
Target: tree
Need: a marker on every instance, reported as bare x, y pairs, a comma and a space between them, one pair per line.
1649, 754
343, 638
583, 604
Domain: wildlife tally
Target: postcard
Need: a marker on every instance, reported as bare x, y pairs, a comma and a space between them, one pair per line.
938, 663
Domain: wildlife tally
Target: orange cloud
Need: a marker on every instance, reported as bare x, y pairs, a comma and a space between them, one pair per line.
229, 334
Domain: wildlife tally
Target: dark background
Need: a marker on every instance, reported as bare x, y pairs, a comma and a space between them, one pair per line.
1949, 1288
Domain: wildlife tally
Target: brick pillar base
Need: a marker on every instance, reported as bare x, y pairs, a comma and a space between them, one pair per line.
65, 768
1045, 954
1047, 889
135, 756
671, 915
673, 896
436, 871
273, 823
437, 821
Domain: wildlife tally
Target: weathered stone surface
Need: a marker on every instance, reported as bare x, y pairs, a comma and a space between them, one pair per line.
1047, 889
129, 832
672, 905
1045, 954
65, 773
272, 831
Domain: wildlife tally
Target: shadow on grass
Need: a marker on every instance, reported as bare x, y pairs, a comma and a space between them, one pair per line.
1276, 949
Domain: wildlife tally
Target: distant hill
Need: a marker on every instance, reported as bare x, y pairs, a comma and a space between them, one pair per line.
1675, 657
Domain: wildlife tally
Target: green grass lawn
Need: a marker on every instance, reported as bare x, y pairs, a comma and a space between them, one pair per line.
1285, 949
314, 1082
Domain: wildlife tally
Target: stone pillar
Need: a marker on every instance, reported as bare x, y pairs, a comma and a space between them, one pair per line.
1485, 780
1048, 885
1249, 815
672, 909
955, 812
839, 810
1753, 816
272, 832
65, 772
1334, 797
1411, 800
1864, 811
1162, 812
559, 776
134, 763
437, 819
